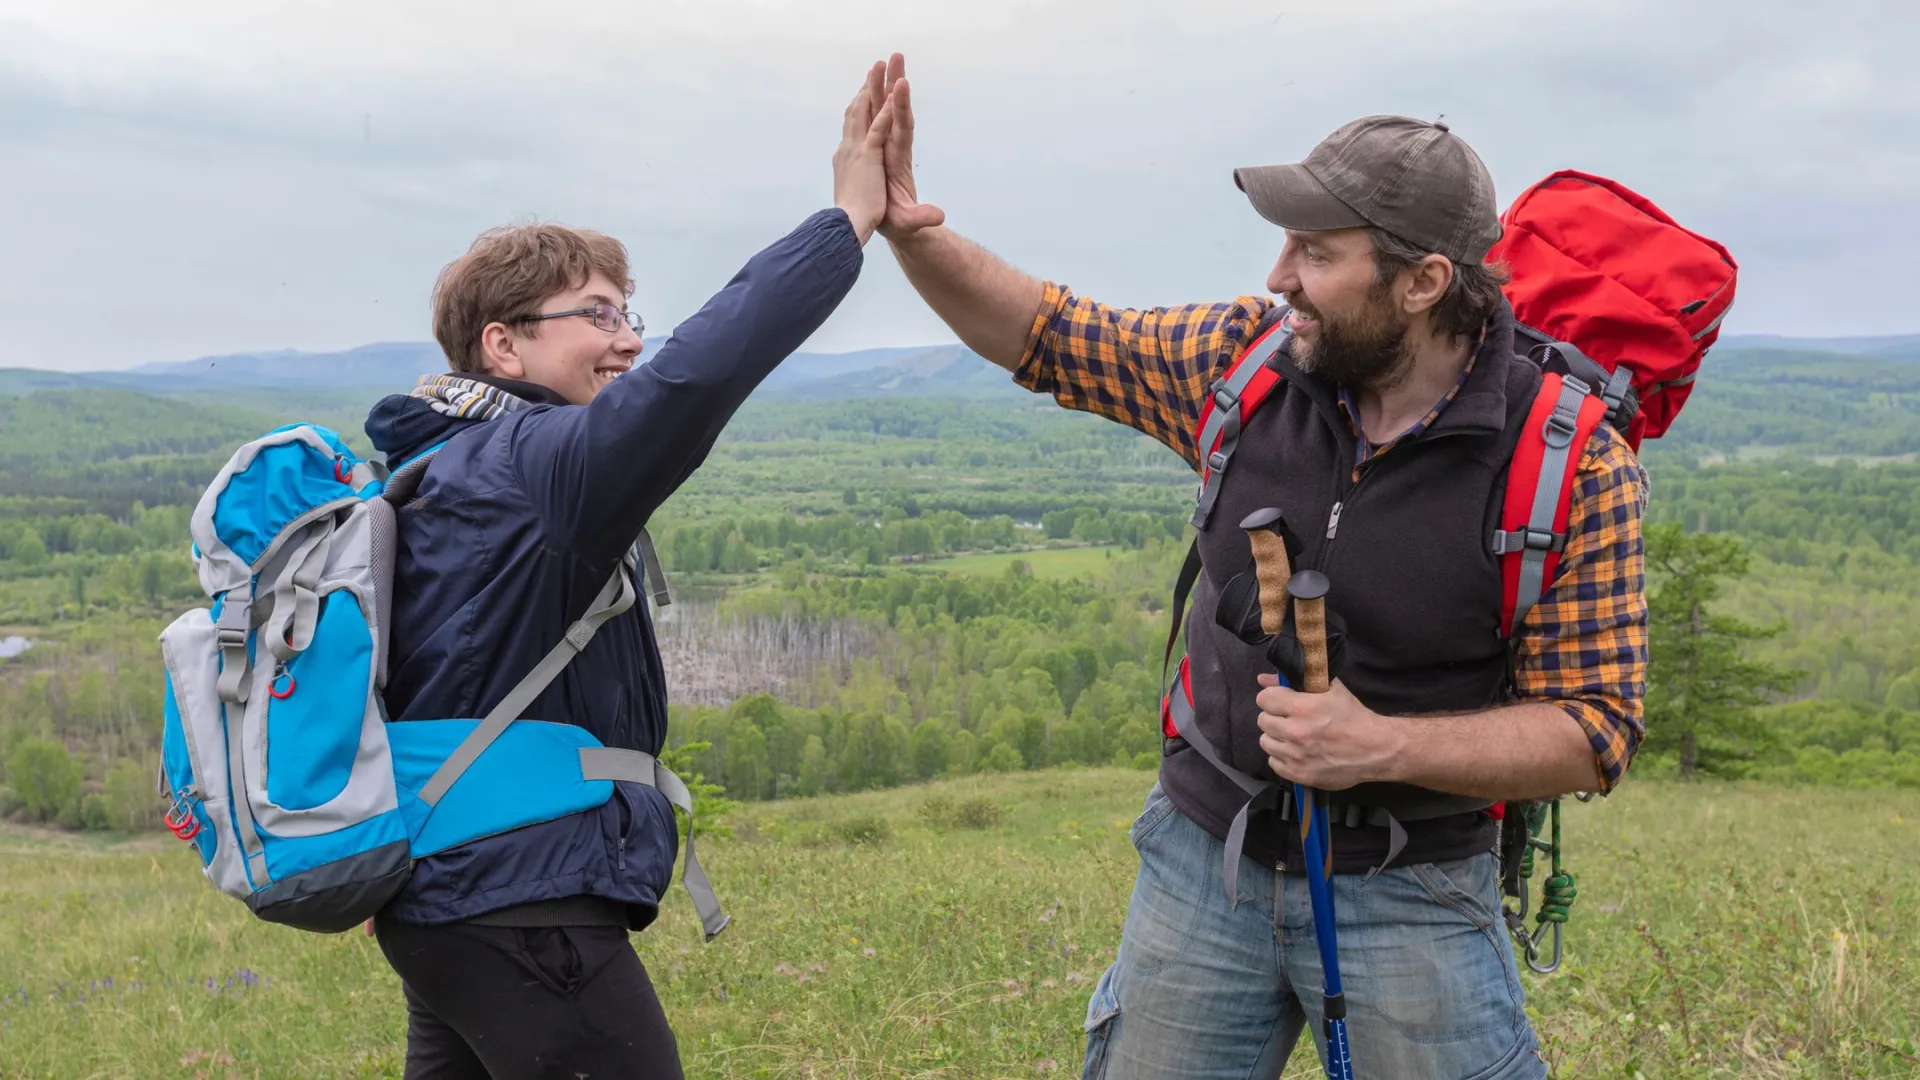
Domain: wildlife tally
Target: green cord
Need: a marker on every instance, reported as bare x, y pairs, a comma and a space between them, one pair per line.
1558, 893
1559, 890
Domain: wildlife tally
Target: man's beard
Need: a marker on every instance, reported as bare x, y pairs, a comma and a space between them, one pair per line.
1365, 349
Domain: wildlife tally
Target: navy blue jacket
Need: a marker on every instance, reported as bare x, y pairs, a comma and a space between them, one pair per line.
516, 526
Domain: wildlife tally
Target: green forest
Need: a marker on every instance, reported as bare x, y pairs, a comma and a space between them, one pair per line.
875, 592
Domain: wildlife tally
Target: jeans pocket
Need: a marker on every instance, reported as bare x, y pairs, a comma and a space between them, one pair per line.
1468, 886
1152, 815
1103, 1016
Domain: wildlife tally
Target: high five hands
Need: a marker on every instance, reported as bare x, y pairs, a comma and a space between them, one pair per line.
873, 168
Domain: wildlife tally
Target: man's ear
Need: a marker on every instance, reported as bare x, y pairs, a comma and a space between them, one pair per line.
1425, 283
501, 352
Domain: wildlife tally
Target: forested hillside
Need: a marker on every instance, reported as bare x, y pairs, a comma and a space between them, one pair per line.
875, 590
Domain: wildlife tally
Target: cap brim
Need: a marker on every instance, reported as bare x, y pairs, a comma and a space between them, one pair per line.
1290, 197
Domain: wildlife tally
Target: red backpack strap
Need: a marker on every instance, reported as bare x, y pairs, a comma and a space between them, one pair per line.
1231, 401
1533, 523
1176, 709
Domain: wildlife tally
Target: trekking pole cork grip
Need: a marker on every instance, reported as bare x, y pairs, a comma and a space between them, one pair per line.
1272, 569
1272, 566
1309, 591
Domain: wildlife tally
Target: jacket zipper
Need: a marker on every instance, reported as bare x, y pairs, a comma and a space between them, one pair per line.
626, 824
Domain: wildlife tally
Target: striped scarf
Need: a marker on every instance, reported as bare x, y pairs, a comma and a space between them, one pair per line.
468, 399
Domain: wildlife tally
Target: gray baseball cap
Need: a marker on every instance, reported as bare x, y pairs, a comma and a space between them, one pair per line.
1413, 178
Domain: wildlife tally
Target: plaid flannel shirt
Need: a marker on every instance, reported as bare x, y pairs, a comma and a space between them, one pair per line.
1583, 647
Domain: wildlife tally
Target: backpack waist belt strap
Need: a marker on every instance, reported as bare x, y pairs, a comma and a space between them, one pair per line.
1354, 815
637, 767
1271, 795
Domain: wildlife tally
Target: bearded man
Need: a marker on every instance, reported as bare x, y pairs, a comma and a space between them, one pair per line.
1386, 444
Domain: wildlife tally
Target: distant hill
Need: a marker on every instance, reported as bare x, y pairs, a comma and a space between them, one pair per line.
1891, 347
937, 370
943, 371
396, 363
353, 378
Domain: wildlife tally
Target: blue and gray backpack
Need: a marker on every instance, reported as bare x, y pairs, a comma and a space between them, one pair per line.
278, 763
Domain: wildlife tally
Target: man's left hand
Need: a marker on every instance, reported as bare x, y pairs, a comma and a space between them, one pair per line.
1328, 741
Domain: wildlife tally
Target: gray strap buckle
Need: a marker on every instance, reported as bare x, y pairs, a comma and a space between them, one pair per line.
236, 618
1528, 539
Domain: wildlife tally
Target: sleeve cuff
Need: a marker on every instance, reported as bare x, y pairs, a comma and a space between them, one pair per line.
1035, 369
1612, 739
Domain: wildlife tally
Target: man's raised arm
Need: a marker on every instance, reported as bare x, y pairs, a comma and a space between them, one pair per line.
989, 304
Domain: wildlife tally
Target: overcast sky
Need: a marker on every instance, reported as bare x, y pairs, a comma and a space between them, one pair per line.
204, 176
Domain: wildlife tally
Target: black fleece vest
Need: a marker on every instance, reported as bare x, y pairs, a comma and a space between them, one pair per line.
1412, 572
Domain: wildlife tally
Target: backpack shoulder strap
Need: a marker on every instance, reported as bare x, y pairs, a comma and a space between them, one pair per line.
615, 597
1231, 401
1533, 520
403, 479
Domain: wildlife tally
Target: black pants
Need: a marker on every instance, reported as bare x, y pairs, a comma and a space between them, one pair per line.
504, 1003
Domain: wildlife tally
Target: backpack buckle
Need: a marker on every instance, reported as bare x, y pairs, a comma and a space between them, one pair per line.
1528, 539
1223, 396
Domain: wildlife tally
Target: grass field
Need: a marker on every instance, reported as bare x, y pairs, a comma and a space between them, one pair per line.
1720, 932
1046, 562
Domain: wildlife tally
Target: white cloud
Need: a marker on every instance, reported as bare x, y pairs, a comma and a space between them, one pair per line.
214, 175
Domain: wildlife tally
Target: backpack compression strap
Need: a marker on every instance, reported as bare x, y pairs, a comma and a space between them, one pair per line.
1261, 794
1533, 521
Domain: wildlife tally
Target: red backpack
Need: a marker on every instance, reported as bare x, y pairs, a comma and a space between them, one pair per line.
1615, 301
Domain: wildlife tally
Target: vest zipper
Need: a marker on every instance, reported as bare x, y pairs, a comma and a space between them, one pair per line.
1352, 491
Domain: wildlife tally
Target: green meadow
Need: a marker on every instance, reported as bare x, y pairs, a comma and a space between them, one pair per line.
955, 929
1041, 562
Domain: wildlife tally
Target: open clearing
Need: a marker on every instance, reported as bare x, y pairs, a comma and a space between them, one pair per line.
1720, 931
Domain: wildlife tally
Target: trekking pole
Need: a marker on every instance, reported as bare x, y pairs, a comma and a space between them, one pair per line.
1273, 543
1308, 588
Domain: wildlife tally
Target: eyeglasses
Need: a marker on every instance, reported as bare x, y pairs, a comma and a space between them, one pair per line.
605, 316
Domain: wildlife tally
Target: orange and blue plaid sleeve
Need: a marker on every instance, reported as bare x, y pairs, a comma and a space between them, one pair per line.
1147, 369
1584, 646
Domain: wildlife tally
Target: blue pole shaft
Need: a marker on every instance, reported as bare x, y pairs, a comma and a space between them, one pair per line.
1315, 843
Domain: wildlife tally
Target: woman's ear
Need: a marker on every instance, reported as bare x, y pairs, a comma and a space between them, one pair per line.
501, 352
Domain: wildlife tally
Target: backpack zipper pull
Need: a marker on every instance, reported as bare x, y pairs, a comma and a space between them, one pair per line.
1333, 520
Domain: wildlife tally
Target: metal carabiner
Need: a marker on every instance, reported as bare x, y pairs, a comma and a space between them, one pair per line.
1533, 948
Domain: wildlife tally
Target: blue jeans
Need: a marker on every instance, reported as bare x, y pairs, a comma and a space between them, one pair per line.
1206, 991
